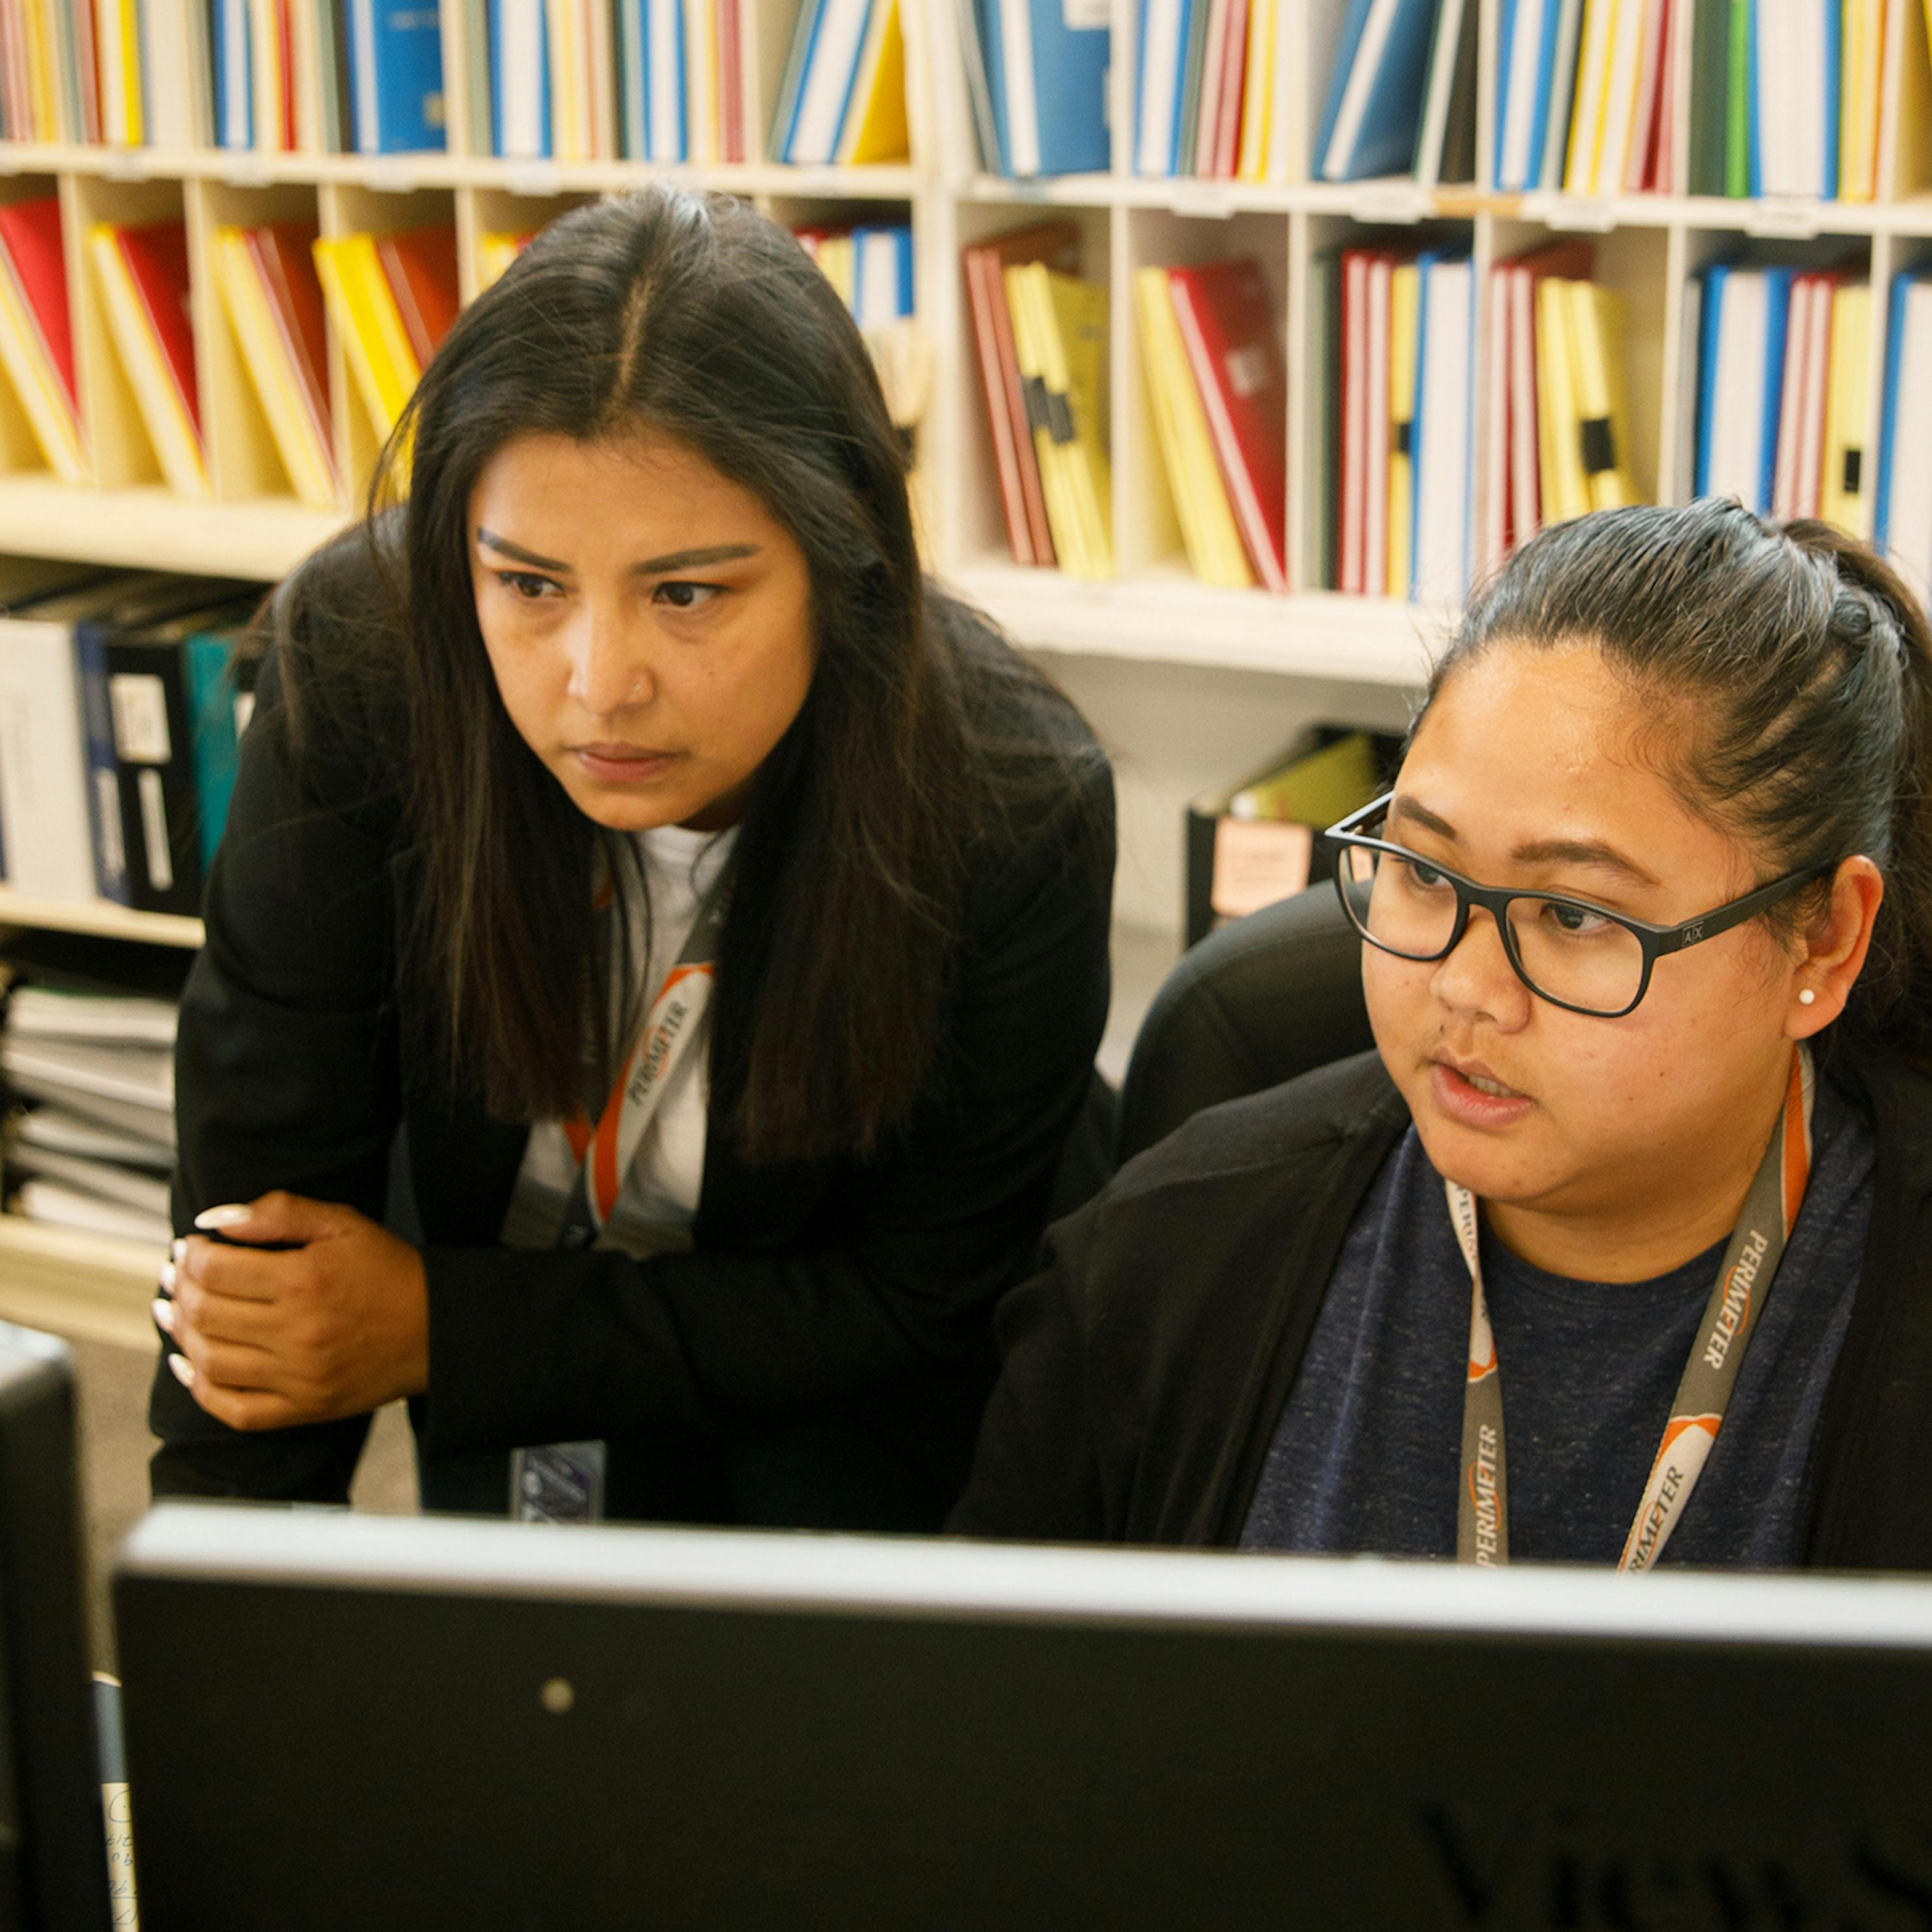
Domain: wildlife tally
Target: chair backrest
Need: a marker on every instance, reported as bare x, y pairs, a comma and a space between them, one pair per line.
1263, 999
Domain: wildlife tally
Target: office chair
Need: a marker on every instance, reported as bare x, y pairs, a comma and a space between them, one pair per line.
1265, 998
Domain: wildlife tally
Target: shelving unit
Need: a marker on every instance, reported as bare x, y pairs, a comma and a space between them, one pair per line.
1188, 687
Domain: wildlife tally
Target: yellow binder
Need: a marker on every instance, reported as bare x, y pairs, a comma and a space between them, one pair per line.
1405, 309
1589, 110
874, 128
364, 311
1257, 89
1843, 498
1603, 421
1207, 525
1059, 329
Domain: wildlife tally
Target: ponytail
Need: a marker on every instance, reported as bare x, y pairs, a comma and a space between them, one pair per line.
1805, 665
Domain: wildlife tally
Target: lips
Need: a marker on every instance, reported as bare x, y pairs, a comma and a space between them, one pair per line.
1469, 1092
620, 763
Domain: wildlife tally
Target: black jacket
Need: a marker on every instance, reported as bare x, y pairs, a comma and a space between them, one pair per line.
1146, 1368
832, 1326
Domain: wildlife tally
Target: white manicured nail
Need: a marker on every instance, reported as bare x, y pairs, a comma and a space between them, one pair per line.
184, 1370
221, 1217
164, 1316
179, 1250
168, 1277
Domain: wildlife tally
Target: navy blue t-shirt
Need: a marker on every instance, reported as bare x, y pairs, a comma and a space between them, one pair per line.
1366, 1454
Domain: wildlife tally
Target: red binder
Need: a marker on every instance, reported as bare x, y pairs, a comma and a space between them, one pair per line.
420, 266
156, 258
284, 259
30, 232
1227, 323
1058, 245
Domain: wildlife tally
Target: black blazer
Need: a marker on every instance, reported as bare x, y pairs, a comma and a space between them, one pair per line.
1147, 1367
823, 1353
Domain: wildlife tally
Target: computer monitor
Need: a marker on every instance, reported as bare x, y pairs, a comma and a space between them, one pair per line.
335, 1721
53, 1866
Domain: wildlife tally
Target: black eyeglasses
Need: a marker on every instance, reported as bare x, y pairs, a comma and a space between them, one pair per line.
1583, 958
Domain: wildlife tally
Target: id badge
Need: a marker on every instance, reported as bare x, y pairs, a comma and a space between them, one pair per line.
560, 1482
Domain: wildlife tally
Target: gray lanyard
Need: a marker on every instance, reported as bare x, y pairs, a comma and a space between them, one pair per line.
1743, 1281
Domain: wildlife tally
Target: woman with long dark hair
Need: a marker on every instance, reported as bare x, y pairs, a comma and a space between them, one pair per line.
1618, 1249
706, 915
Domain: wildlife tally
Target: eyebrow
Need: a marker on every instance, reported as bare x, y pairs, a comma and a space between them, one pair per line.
1535, 851
655, 566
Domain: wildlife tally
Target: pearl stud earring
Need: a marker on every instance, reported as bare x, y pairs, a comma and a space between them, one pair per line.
1806, 997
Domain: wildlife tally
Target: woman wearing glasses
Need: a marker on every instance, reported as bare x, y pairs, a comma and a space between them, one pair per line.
1617, 1249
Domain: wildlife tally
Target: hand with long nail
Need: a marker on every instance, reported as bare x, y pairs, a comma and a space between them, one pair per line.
330, 1319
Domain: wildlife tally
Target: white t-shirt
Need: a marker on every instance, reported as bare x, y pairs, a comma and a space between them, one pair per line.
659, 1199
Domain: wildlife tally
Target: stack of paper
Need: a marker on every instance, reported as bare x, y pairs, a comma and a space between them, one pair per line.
36, 340
1036, 81
392, 298
95, 1152
1219, 396
843, 97
1784, 384
143, 275
268, 287
1404, 445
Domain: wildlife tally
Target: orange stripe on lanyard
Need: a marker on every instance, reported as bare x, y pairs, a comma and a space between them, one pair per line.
1797, 1174
605, 1177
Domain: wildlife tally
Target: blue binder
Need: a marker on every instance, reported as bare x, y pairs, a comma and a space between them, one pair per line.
987, 13
395, 76
1069, 80
1895, 356
1777, 325
1385, 142
1715, 278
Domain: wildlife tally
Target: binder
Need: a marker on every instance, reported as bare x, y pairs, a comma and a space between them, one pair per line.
1207, 528
395, 71
1257, 92
1565, 485
1602, 416
274, 303
1844, 493
1405, 318
520, 61
133, 668
1445, 145
1374, 107
881, 274
1321, 497
875, 129
357, 295
1057, 244
1560, 97
1442, 465
1165, 30
36, 334
1233, 359
1526, 53
143, 277
1060, 331
1903, 522
419, 264
1053, 80
221, 663
826, 46
1800, 422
